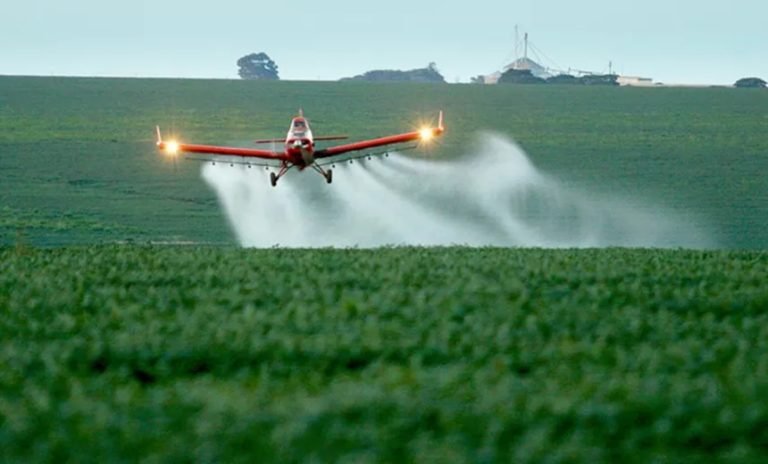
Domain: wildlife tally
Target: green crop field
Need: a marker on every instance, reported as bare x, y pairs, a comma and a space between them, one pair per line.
216, 354
78, 164
114, 348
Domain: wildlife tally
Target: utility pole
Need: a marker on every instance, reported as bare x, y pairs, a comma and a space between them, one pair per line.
526, 46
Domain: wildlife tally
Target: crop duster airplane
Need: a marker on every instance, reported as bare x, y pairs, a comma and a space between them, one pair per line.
299, 148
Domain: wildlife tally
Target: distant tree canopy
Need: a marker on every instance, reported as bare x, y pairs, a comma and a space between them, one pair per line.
600, 79
525, 76
564, 79
750, 83
257, 66
520, 76
428, 74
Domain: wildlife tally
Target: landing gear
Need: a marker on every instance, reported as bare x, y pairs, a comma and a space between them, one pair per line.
327, 174
273, 178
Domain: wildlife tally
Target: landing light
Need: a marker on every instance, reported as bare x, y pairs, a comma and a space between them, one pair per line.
172, 148
426, 134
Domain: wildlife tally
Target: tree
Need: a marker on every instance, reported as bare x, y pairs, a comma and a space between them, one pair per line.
520, 76
431, 74
565, 79
600, 79
750, 83
257, 66
428, 74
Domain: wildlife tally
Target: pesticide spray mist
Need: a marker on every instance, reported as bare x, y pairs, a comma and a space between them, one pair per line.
492, 197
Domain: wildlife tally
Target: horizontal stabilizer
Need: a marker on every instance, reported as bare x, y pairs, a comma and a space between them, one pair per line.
331, 137
316, 139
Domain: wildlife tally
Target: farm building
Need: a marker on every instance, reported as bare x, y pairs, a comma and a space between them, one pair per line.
520, 64
635, 81
525, 63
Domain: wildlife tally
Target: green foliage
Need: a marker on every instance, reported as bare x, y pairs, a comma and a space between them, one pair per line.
257, 66
564, 79
428, 74
604, 79
750, 83
430, 355
520, 76
525, 76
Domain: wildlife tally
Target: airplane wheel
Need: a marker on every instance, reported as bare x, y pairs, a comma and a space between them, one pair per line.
273, 179
329, 177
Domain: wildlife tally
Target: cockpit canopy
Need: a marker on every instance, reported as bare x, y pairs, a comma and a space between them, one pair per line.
299, 129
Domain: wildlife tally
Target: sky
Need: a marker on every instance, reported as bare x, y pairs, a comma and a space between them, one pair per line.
671, 41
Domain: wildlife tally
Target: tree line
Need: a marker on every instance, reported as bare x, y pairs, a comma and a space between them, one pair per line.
259, 66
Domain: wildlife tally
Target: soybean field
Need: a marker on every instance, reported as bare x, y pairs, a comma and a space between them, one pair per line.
217, 354
78, 163
133, 327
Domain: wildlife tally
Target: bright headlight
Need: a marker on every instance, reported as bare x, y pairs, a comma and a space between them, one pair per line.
426, 134
172, 147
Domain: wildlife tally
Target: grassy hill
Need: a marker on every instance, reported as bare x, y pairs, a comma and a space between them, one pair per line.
78, 165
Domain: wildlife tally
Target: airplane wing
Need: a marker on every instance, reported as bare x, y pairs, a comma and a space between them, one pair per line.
173, 147
425, 134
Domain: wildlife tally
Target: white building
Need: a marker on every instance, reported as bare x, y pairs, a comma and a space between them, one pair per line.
635, 81
520, 65
526, 63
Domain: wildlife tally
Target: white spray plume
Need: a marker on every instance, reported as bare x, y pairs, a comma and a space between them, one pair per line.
493, 197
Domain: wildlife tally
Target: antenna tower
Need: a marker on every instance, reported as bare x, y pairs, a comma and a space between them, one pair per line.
526, 46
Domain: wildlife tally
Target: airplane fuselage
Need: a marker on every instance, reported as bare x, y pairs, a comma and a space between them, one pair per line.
300, 144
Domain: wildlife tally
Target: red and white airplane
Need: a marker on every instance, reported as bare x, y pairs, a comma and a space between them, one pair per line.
299, 147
